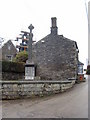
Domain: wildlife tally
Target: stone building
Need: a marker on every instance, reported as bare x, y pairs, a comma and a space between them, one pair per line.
56, 56
8, 51
80, 67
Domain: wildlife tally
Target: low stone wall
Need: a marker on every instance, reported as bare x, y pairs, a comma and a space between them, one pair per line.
26, 89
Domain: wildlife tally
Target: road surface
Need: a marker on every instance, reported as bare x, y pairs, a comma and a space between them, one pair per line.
70, 104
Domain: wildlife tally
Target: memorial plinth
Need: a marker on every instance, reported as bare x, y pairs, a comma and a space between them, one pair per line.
29, 71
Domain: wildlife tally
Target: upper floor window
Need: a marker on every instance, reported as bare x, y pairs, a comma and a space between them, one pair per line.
9, 47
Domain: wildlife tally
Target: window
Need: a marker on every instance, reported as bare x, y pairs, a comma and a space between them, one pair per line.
9, 57
80, 69
9, 47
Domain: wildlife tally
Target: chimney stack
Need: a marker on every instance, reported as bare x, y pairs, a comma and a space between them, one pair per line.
54, 27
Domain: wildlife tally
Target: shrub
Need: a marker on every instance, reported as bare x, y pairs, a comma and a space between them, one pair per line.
8, 66
88, 67
88, 70
21, 57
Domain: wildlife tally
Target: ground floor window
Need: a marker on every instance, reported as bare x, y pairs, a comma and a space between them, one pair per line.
9, 57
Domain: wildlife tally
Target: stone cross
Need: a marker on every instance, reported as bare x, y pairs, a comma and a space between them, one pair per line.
31, 27
30, 41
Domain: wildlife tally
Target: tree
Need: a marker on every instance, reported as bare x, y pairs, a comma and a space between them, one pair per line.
21, 57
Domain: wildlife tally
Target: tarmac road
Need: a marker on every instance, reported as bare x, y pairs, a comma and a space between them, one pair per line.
70, 104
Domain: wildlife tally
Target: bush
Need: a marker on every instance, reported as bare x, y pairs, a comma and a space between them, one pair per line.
88, 67
8, 66
21, 57
88, 70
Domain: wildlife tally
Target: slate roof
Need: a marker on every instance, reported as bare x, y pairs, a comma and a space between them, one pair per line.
57, 39
80, 63
9, 42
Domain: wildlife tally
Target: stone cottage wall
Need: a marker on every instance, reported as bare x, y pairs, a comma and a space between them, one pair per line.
56, 58
8, 49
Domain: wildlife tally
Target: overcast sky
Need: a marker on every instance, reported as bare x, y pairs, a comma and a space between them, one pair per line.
17, 15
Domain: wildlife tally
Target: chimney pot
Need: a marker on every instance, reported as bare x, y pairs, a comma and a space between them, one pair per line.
53, 20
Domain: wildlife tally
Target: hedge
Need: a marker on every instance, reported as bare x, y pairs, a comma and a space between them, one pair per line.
8, 66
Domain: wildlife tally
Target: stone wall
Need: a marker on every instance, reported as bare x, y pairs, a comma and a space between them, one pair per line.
26, 89
56, 57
